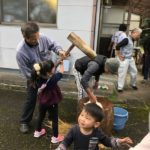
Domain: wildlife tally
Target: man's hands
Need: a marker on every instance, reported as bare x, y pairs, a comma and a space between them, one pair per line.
90, 94
62, 54
92, 98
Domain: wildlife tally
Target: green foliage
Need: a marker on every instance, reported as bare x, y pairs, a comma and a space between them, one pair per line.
144, 36
146, 23
146, 31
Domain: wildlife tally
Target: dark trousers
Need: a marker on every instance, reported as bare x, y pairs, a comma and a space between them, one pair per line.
29, 104
53, 116
146, 66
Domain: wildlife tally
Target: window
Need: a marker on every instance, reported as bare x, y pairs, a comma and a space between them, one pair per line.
112, 18
42, 11
13, 11
134, 20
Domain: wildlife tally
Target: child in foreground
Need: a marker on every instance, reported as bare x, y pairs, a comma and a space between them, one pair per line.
49, 95
86, 135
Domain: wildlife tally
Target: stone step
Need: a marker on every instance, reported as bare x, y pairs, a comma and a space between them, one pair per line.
15, 81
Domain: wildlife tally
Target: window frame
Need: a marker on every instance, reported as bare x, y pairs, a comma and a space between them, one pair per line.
27, 18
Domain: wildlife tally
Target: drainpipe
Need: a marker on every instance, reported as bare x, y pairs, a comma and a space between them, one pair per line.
93, 24
128, 22
129, 16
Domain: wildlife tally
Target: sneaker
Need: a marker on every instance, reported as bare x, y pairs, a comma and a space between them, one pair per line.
38, 134
144, 81
24, 128
55, 140
120, 91
134, 87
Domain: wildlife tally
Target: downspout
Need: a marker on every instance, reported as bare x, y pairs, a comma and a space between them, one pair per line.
98, 24
1, 13
128, 21
93, 26
129, 16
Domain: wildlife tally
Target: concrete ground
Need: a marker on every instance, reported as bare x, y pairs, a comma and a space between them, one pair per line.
12, 96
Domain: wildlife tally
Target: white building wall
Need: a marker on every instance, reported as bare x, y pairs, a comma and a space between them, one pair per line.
73, 16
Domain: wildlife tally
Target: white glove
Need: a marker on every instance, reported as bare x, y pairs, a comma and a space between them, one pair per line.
87, 102
97, 103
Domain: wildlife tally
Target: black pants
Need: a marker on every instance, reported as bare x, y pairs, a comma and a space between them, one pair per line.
29, 104
146, 66
53, 116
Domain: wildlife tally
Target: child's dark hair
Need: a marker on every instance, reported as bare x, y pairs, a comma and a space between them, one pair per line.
95, 111
123, 27
40, 70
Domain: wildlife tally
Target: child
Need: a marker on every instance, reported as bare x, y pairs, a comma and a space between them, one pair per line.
86, 135
49, 95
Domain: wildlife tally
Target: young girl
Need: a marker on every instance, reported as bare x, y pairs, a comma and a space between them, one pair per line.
49, 95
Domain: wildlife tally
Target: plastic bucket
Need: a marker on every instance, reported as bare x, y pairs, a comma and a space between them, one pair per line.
120, 118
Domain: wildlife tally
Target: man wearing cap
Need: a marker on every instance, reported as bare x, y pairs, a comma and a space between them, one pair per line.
85, 68
124, 52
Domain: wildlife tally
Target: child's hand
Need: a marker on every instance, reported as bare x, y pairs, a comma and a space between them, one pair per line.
61, 62
125, 141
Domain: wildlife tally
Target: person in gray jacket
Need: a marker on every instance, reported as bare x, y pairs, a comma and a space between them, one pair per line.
34, 48
85, 68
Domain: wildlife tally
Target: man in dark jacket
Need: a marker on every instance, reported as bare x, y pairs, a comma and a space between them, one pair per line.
85, 68
146, 62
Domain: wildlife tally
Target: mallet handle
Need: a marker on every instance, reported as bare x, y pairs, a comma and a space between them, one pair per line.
66, 53
69, 49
